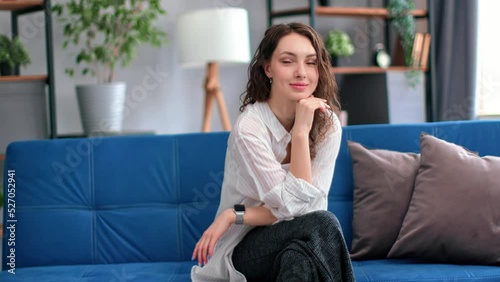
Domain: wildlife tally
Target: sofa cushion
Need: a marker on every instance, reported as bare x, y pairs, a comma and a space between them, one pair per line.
387, 270
453, 215
383, 183
407, 270
145, 271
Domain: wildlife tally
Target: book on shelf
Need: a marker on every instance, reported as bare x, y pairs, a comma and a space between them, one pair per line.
420, 53
417, 49
425, 51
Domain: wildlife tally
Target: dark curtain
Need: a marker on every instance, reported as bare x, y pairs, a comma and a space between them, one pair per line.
453, 26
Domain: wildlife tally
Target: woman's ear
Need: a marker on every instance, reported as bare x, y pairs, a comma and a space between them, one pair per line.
266, 66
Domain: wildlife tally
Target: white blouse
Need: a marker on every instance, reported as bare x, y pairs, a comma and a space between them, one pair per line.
254, 176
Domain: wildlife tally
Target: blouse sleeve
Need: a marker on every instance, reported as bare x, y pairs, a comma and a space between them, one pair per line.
262, 177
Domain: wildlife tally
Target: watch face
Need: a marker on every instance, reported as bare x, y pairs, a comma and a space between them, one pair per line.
239, 208
383, 59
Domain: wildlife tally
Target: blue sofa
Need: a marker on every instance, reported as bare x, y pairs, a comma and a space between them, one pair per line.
131, 208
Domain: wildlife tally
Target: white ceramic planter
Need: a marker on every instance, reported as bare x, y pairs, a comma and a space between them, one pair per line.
101, 107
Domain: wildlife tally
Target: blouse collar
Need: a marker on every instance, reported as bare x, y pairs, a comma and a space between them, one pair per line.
271, 121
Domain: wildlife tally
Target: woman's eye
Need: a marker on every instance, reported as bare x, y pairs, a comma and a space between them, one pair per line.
312, 63
286, 62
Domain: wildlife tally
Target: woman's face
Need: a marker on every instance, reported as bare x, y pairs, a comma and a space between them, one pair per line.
293, 68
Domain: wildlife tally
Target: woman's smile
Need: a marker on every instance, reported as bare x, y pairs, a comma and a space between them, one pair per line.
301, 86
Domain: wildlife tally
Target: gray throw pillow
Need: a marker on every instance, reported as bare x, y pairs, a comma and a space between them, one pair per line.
454, 214
383, 184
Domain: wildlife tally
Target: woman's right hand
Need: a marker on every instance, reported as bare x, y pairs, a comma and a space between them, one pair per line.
304, 113
205, 246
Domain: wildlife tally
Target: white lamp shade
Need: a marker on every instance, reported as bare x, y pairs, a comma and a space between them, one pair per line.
213, 35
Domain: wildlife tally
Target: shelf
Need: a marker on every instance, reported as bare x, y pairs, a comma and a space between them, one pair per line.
345, 11
14, 78
360, 70
13, 5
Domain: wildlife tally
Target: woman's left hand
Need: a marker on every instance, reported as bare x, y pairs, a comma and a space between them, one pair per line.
206, 244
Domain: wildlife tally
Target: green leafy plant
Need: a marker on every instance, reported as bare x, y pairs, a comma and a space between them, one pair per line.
338, 44
404, 23
109, 32
13, 52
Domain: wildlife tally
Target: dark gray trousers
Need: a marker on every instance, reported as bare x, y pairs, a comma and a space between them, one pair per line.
308, 248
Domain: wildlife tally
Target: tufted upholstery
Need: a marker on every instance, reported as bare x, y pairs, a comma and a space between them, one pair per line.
84, 205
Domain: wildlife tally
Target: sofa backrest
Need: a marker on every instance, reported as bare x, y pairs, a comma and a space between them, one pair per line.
479, 136
148, 198
113, 199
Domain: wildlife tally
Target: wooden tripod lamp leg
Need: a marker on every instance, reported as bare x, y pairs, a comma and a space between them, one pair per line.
207, 116
212, 91
224, 116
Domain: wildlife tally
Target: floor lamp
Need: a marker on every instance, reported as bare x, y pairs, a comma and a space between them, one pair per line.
210, 38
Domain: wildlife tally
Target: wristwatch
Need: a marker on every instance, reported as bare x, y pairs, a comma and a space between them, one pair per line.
239, 210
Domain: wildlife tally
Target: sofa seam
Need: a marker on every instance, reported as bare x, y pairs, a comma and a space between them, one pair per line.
93, 203
175, 149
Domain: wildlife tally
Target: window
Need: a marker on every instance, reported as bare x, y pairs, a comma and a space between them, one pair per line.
488, 60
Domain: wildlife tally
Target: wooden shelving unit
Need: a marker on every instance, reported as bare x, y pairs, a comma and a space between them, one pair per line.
17, 9
14, 5
13, 78
331, 11
370, 76
365, 70
344, 11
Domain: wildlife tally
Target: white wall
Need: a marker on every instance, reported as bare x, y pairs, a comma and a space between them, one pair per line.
175, 104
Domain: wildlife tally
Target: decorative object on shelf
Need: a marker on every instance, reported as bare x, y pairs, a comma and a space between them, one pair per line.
110, 32
404, 23
208, 38
338, 44
381, 58
13, 53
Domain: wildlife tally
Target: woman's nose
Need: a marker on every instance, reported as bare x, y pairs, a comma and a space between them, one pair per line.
300, 71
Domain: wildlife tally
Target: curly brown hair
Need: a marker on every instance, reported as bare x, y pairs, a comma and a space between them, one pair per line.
259, 87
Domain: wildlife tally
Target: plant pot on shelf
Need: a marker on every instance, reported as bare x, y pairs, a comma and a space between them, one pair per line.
324, 2
334, 61
101, 107
6, 69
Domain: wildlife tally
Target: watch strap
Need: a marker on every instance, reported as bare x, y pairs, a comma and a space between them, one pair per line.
239, 210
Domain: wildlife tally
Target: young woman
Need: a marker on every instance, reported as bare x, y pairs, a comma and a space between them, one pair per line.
272, 223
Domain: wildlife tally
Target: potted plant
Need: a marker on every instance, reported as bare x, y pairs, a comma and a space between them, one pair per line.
13, 53
404, 23
338, 44
107, 34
